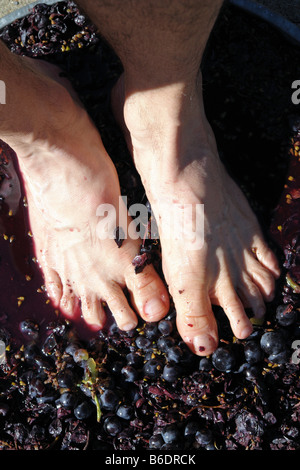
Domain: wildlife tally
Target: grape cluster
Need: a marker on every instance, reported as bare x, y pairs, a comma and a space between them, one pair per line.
144, 388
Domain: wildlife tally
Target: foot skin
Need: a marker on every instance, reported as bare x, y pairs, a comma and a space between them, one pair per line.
175, 153
67, 176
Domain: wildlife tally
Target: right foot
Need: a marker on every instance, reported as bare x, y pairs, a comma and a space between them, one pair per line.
67, 176
176, 155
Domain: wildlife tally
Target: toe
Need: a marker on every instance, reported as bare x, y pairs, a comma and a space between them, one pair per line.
117, 302
149, 295
195, 319
234, 309
68, 303
252, 298
92, 311
263, 278
53, 285
267, 258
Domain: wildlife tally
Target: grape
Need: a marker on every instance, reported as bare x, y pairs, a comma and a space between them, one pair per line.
156, 441
272, 342
30, 328
251, 372
129, 373
134, 359
165, 327
223, 359
191, 428
124, 411
171, 372
281, 357
83, 410
253, 352
133, 393
174, 354
151, 330
142, 342
50, 345
286, 315
152, 368
165, 342
66, 379
204, 437
170, 434
109, 399
68, 400
205, 363
112, 425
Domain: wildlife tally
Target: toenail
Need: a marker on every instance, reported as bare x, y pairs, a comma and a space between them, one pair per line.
96, 327
129, 326
246, 332
204, 344
154, 306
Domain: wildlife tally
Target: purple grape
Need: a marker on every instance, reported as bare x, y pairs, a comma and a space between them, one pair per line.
223, 359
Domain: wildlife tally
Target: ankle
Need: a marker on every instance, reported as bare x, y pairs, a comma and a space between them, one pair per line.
37, 108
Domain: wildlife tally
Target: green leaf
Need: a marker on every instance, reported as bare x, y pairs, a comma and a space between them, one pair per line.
99, 412
92, 367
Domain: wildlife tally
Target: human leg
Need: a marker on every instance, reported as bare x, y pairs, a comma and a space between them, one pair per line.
67, 176
160, 45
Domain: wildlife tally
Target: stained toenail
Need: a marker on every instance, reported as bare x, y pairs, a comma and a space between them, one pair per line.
154, 306
96, 327
204, 344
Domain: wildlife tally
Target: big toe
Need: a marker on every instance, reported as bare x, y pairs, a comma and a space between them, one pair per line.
196, 322
149, 295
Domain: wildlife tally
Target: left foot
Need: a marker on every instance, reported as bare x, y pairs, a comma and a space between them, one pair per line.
175, 153
67, 176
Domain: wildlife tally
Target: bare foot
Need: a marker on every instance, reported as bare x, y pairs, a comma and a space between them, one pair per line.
175, 153
68, 175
